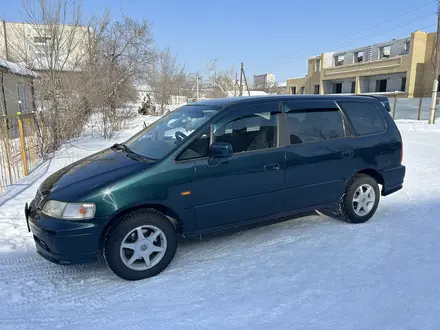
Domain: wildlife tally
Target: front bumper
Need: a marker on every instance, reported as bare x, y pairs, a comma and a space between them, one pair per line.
63, 241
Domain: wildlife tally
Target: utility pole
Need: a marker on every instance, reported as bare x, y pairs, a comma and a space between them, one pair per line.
436, 70
245, 81
197, 86
235, 83
241, 79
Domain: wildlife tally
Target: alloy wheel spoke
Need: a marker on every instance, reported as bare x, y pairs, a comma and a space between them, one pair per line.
153, 236
133, 258
157, 249
140, 233
131, 246
368, 192
146, 259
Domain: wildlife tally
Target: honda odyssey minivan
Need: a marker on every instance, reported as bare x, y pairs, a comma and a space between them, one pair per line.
213, 165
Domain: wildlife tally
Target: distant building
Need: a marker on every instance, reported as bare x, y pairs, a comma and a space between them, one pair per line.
262, 81
31, 44
402, 65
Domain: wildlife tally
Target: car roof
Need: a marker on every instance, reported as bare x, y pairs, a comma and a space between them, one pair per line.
224, 102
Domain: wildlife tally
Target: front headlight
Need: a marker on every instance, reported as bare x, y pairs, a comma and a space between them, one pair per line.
69, 211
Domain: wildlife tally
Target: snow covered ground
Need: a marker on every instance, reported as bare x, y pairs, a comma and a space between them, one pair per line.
307, 273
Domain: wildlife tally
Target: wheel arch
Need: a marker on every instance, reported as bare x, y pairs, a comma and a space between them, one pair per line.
370, 172
169, 213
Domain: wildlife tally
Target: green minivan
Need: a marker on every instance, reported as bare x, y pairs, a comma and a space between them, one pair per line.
213, 165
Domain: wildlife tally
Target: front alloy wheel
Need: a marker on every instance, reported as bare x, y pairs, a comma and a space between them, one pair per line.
140, 245
143, 247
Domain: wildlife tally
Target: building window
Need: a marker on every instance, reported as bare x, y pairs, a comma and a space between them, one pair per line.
41, 40
302, 90
337, 88
293, 90
359, 57
318, 65
407, 45
403, 84
316, 90
22, 93
385, 52
353, 87
339, 60
381, 85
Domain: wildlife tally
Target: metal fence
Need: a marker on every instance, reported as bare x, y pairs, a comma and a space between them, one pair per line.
412, 108
19, 135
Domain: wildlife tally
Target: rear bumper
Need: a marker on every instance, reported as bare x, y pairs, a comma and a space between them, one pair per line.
65, 242
393, 179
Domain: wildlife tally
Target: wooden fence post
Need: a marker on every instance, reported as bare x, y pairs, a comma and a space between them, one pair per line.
6, 142
420, 108
394, 107
22, 145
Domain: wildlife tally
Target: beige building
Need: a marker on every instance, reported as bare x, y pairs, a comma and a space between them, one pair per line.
16, 88
60, 47
401, 65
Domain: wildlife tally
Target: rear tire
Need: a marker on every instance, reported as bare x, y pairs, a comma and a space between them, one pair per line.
141, 245
359, 201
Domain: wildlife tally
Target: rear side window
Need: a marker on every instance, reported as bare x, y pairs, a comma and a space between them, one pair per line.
314, 125
364, 117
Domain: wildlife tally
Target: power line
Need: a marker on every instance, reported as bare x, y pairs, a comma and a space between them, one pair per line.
353, 42
381, 23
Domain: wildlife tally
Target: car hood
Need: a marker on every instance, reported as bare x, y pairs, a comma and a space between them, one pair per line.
90, 173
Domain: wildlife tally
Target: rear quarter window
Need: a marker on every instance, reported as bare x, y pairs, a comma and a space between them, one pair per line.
365, 117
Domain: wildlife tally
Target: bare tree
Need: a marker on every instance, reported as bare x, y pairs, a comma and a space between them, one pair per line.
167, 79
223, 80
53, 43
122, 55
84, 69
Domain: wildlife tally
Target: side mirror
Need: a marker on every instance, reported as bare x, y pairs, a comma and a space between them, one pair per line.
220, 150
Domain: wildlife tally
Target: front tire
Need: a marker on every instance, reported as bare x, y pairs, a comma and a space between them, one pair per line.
141, 245
359, 202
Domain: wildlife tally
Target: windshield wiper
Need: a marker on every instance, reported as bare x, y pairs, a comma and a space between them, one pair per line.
130, 153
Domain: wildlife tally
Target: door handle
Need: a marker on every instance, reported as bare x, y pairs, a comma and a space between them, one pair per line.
272, 167
348, 154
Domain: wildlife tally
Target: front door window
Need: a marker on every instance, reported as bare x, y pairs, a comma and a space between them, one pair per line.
255, 130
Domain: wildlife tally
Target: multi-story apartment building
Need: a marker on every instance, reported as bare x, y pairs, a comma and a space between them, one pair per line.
262, 81
402, 65
59, 47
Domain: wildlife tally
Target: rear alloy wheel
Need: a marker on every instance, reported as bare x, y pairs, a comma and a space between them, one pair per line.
364, 200
141, 245
359, 202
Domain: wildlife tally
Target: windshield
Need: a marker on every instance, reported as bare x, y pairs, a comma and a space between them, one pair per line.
161, 137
